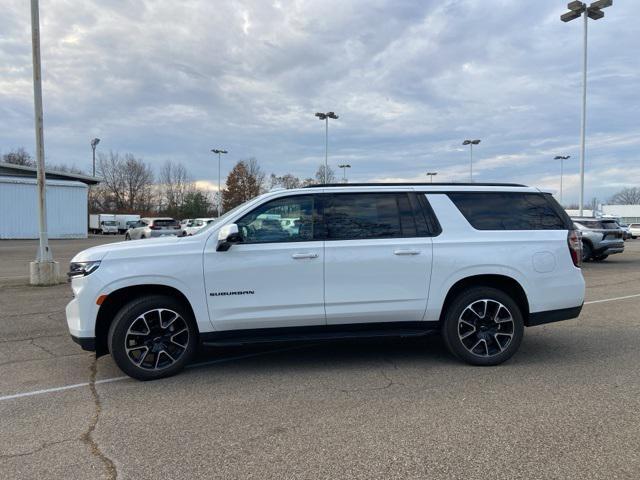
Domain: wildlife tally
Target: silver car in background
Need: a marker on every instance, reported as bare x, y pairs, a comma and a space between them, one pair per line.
153, 227
601, 237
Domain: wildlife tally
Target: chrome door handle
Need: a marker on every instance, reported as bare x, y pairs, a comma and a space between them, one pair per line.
406, 252
298, 256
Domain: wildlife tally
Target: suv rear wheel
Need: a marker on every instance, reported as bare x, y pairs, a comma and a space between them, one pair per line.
483, 326
153, 337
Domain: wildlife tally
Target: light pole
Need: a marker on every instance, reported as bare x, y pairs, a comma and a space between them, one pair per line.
431, 175
44, 271
219, 152
344, 167
562, 158
326, 117
593, 11
94, 144
471, 143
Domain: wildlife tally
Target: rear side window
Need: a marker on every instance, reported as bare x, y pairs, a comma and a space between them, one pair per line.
359, 216
510, 211
165, 223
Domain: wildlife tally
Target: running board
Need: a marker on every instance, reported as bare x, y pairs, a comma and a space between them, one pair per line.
313, 334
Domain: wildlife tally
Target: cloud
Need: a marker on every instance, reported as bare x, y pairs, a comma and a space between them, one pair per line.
410, 80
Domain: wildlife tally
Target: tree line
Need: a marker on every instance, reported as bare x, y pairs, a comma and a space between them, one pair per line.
130, 185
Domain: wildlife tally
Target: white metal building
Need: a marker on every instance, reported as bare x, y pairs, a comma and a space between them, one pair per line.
66, 208
626, 213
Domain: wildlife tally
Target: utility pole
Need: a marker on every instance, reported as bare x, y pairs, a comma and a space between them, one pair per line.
344, 171
593, 11
44, 271
94, 144
219, 152
326, 117
471, 143
562, 158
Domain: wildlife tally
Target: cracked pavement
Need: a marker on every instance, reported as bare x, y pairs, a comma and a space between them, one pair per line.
566, 406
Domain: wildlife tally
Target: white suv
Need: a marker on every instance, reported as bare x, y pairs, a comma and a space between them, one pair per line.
476, 262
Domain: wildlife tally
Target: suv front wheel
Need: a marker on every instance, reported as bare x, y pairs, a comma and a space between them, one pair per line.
153, 337
483, 326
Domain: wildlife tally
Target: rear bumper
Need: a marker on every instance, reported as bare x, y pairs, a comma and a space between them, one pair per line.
549, 316
86, 343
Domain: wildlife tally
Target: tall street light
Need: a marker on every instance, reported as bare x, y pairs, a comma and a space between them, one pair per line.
219, 152
94, 144
431, 175
562, 158
344, 167
471, 143
44, 271
326, 117
594, 12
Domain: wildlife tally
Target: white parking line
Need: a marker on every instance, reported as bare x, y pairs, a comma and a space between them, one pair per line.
117, 379
612, 299
59, 389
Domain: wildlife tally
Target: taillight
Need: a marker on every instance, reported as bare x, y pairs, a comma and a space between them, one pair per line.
153, 227
574, 240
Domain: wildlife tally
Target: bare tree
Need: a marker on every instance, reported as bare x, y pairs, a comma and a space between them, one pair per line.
19, 156
254, 171
285, 181
325, 175
127, 183
627, 196
174, 185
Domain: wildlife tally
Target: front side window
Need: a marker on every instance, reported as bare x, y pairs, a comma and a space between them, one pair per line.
359, 216
288, 219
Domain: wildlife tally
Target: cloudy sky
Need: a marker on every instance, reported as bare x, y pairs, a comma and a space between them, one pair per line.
410, 80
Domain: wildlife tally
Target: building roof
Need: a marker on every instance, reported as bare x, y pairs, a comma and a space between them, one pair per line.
11, 170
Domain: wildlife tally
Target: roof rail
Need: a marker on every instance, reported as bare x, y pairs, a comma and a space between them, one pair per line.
409, 184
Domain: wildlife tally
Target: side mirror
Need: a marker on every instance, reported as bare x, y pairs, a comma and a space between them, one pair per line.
227, 236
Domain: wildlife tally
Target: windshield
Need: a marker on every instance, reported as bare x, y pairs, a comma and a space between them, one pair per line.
109, 223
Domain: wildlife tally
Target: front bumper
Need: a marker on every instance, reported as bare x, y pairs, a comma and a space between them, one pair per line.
86, 343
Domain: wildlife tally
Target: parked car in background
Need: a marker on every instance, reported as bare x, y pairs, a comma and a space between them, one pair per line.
634, 228
185, 222
195, 225
601, 237
626, 231
103, 223
153, 227
124, 221
477, 263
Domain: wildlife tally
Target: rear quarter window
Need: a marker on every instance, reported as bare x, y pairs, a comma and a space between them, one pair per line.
511, 211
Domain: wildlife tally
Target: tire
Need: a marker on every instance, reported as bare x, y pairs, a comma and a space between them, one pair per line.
478, 340
587, 251
153, 337
127, 236
600, 258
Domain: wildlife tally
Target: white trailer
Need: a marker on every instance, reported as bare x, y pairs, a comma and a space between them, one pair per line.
124, 221
104, 223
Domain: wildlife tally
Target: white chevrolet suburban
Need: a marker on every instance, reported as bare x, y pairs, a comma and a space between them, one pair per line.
476, 262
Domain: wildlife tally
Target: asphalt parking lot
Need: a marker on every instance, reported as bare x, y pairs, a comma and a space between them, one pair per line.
566, 406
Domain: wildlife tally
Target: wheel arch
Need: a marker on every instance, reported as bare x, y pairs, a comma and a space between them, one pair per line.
116, 299
504, 283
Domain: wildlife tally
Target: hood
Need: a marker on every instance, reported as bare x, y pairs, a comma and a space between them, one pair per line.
132, 246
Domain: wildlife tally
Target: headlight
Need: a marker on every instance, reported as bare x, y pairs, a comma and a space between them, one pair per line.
82, 269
